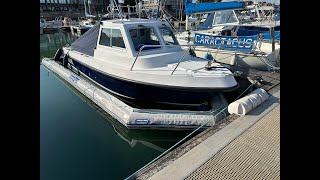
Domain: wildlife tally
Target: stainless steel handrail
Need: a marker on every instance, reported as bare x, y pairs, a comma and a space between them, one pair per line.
188, 45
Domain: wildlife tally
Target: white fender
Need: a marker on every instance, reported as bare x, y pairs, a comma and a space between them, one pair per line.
249, 102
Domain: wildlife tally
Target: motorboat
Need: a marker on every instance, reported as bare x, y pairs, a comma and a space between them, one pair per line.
141, 60
83, 26
88, 22
50, 26
57, 22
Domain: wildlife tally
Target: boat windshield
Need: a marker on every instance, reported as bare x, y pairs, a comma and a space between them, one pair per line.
144, 36
224, 17
168, 36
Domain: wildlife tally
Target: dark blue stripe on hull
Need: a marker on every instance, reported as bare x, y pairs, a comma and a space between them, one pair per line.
143, 92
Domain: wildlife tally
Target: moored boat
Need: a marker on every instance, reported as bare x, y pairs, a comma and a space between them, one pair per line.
250, 44
141, 60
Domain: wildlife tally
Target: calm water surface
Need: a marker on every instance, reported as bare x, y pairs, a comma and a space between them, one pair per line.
79, 142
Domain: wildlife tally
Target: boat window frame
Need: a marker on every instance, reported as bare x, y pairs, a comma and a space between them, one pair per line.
213, 24
174, 37
113, 47
144, 26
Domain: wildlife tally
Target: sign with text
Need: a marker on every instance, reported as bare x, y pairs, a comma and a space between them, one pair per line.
243, 43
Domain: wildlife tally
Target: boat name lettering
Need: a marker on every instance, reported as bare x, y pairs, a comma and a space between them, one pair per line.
180, 116
74, 78
142, 121
226, 42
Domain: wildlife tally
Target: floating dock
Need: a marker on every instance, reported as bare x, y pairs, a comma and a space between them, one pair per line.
135, 118
54, 29
238, 147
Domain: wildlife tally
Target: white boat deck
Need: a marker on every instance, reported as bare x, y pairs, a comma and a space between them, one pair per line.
182, 76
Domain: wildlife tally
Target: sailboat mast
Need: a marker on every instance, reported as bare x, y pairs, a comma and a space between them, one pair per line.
85, 8
158, 13
256, 4
89, 2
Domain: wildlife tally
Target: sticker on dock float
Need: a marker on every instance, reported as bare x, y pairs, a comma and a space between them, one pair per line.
243, 43
142, 121
74, 78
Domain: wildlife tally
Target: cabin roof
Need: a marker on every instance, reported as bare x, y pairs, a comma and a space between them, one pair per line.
131, 21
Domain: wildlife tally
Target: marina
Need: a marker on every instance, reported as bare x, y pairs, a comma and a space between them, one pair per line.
239, 147
145, 101
75, 134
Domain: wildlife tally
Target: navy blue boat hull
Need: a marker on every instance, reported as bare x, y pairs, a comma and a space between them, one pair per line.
145, 92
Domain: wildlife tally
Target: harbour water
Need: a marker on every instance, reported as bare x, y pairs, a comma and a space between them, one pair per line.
77, 141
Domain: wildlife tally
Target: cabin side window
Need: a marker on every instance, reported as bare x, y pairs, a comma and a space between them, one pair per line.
144, 36
111, 38
105, 37
168, 36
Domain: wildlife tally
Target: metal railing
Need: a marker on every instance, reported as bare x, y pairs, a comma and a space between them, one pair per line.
186, 50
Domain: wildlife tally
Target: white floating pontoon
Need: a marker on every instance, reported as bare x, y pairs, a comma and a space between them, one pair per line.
135, 118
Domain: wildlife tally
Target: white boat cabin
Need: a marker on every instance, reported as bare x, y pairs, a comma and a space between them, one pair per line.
114, 47
124, 38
